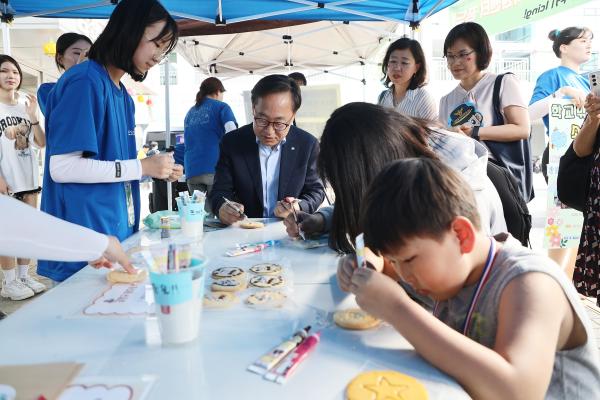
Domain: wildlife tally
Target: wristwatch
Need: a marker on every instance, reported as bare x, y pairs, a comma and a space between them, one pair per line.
475, 133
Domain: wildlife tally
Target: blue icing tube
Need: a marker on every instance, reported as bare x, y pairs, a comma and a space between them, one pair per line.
172, 289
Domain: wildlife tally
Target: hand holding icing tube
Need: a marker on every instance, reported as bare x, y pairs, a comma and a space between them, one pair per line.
273, 357
285, 368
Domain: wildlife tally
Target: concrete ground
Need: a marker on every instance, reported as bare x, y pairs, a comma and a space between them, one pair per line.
537, 208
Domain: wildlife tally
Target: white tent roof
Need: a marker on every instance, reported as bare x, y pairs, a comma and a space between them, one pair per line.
323, 46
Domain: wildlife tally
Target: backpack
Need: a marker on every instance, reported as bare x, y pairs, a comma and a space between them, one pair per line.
514, 156
516, 213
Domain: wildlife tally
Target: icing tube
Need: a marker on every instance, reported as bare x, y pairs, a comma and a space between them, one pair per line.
269, 360
285, 368
360, 251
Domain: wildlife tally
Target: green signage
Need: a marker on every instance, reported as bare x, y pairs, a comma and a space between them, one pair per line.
498, 16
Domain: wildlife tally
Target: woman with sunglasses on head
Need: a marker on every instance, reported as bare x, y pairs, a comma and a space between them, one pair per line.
93, 174
469, 109
71, 49
20, 133
405, 68
204, 126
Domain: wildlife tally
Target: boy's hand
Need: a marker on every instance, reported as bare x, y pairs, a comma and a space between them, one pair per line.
375, 291
346, 267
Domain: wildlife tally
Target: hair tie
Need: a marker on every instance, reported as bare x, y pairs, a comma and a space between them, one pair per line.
557, 32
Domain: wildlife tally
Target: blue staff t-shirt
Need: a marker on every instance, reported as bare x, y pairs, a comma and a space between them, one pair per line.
86, 112
552, 80
204, 126
42, 95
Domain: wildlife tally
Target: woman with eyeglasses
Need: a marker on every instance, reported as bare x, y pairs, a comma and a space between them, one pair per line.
20, 135
573, 46
71, 49
405, 68
204, 126
92, 173
469, 109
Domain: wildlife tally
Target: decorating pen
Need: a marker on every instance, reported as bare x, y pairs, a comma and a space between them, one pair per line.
360, 251
288, 365
273, 357
230, 204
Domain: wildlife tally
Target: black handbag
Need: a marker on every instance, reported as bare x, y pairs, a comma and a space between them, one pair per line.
573, 181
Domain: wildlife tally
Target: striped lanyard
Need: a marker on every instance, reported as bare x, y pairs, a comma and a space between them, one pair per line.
485, 275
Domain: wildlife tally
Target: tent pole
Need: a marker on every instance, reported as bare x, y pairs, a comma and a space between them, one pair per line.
6, 39
168, 129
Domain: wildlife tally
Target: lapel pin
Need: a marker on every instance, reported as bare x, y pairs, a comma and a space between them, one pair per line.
293, 148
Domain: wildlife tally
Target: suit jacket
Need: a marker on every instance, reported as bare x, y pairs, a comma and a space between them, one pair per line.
238, 177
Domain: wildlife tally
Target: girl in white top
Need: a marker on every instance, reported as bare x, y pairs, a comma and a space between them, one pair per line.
20, 131
405, 68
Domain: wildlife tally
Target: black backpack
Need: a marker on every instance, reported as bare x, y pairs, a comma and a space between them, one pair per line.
516, 213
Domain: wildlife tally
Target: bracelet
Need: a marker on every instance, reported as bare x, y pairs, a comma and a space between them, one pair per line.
475, 133
35, 123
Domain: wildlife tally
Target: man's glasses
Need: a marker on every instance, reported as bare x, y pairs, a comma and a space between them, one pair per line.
462, 56
278, 126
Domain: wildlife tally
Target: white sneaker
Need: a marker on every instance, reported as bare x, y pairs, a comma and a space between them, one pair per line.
16, 290
33, 284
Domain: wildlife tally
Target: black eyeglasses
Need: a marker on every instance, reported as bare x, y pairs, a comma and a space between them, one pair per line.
461, 56
277, 126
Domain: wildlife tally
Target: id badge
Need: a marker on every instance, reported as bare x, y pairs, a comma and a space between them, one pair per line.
130, 208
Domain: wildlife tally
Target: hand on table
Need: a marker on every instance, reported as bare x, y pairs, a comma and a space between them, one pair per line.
228, 215
310, 224
114, 254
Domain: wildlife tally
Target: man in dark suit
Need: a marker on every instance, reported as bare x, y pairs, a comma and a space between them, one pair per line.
269, 166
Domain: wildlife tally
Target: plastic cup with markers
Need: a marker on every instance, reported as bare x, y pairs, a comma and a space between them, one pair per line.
191, 213
178, 286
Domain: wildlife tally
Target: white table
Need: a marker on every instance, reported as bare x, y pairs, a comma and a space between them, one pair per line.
51, 329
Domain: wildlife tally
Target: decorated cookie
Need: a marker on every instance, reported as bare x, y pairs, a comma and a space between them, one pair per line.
121, 276
265, 281
251, 224
229, 272
388, 385
266, 269
266, 298
227, 285
355, 318
219, 299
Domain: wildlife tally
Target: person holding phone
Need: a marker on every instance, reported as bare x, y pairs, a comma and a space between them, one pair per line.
71, 49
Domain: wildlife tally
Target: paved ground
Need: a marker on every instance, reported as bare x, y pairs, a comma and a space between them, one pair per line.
537, 209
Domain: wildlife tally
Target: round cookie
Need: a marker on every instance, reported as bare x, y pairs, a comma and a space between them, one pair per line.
229, 272
121, 276
227, 285
266, 269
265, 281
251, 224
355, 319
389, 385
266, 298
219, 299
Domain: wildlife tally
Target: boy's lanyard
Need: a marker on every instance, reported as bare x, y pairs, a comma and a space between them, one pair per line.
482, 281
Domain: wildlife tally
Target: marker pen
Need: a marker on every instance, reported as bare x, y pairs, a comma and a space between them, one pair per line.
269, 360
285, 368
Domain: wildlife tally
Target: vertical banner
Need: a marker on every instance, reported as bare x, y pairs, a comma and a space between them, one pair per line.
563, 224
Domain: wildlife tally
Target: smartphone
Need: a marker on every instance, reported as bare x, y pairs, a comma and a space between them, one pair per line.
595, 83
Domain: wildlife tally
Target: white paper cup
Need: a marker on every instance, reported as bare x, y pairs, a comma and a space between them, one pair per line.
192, 229
179, 323
192, 219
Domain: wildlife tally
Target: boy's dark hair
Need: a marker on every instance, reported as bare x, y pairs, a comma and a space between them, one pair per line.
120, 38
6, 58
476, 37
65, 41
420, 77
208, 86
358, 141
277, 84
566, 36
414, 197
299, 78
